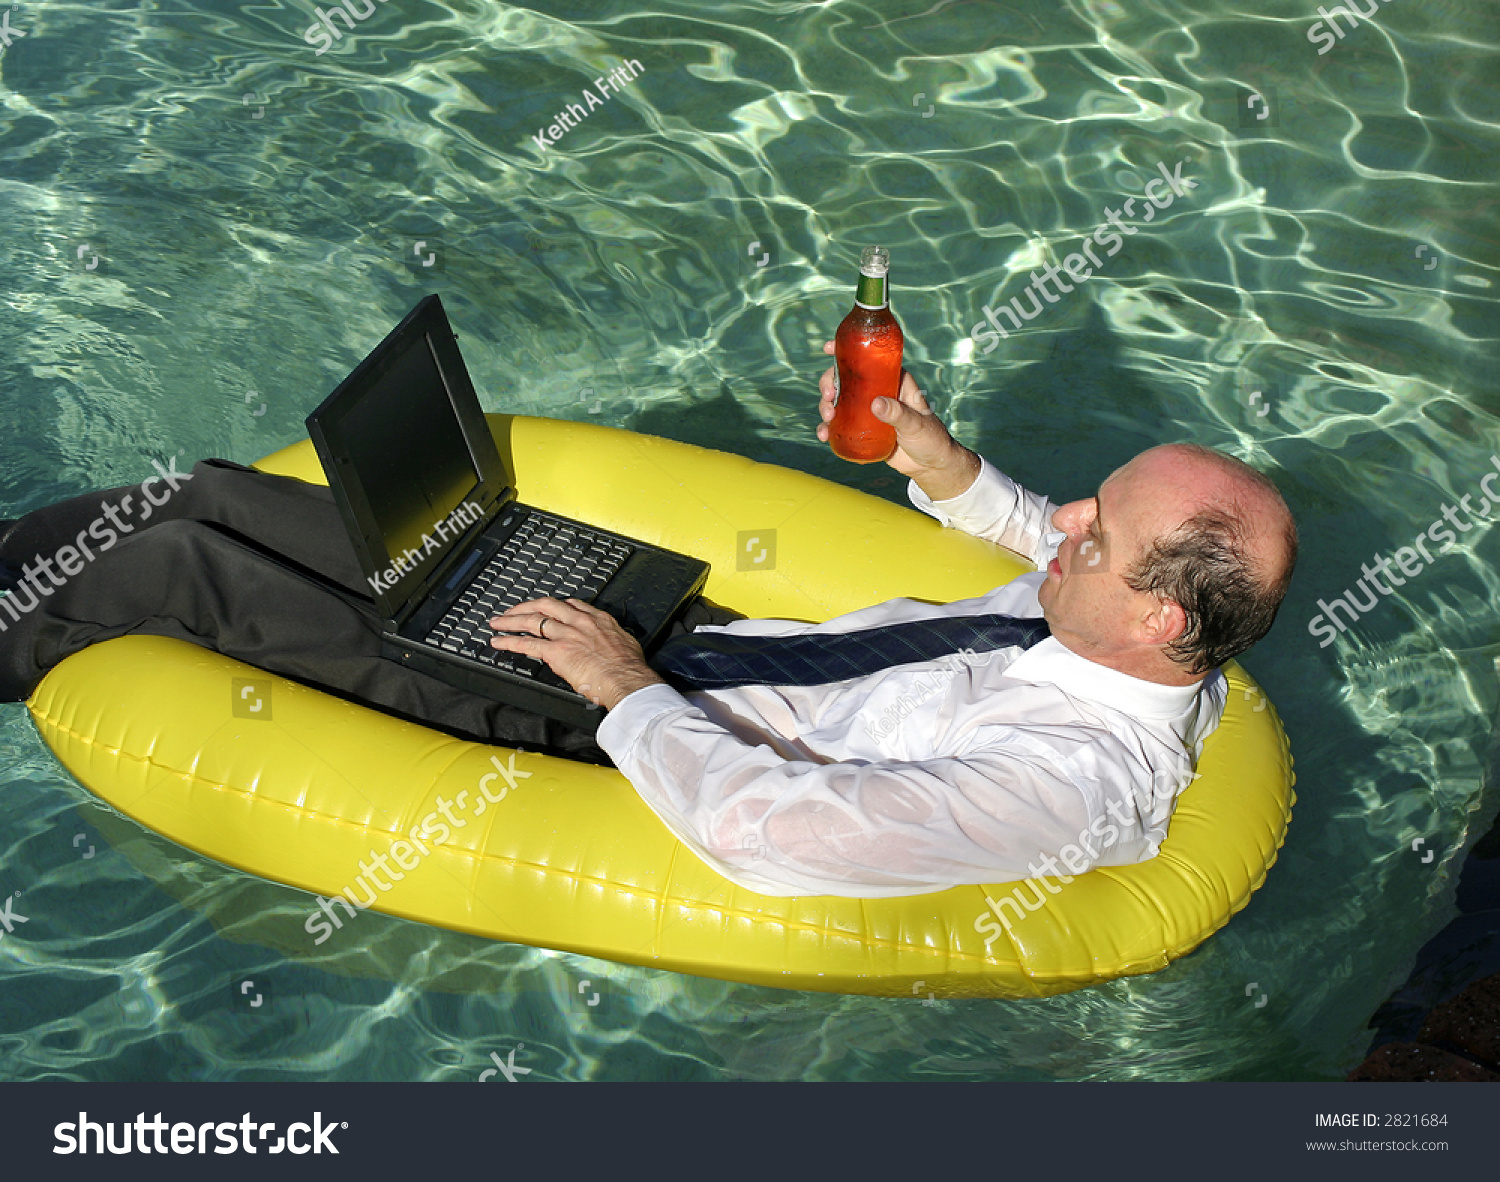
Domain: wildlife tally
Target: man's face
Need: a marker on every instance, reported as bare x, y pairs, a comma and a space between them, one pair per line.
1085, 598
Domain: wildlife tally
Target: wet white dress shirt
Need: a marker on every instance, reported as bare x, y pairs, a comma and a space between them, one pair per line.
973, 769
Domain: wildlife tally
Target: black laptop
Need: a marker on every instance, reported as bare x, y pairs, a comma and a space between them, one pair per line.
430, 505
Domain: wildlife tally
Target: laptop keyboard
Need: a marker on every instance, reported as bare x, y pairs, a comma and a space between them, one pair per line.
541, 558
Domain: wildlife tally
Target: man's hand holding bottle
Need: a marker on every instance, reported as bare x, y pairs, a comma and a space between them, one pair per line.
941, 466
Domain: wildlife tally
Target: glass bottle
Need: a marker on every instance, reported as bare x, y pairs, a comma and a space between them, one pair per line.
867, 350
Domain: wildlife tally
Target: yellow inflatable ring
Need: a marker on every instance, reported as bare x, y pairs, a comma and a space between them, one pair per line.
571, 858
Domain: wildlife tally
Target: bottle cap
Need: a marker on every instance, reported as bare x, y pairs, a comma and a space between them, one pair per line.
875, 262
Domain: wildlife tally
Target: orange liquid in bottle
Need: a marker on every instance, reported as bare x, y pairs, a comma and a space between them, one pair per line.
867, 350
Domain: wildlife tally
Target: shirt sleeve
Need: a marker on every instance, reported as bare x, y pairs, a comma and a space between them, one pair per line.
781, 822
997, 509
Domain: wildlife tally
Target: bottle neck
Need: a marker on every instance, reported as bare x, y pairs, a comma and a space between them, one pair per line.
871, 292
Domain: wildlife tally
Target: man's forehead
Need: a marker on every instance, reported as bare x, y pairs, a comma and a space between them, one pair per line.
1129, 490
1113, 479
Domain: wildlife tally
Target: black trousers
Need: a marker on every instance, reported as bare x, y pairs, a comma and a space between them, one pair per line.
255, 566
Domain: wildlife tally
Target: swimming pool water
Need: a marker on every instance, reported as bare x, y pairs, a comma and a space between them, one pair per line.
207, 224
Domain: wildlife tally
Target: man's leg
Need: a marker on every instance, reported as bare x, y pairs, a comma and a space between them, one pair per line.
194, 582
209, 585
284, 516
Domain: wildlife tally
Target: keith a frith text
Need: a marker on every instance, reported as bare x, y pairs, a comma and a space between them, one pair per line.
574, 114
403, 564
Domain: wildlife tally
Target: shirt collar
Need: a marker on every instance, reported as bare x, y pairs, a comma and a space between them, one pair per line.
1053, 662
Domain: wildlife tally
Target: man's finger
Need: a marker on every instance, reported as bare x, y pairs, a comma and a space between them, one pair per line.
828, 395
554, 609
528, 645
580, 612
523, 625
914, 430
895, 412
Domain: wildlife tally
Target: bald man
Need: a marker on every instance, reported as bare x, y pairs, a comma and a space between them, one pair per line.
1052, 755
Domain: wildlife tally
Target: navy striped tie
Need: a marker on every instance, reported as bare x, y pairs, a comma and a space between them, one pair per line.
720, 660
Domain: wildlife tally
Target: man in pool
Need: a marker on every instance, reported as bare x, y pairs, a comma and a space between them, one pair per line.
934, 773
974, 763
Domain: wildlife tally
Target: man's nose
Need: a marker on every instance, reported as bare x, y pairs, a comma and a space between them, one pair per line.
1069, 517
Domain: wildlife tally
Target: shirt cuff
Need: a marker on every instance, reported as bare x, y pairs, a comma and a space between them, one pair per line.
627, 721
991, 498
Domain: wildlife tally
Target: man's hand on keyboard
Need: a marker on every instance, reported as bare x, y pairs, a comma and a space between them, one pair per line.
584, 646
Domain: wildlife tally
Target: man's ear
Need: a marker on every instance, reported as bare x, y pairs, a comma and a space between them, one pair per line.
1163, 624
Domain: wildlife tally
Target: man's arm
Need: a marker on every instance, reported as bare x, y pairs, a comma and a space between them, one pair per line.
773, 819
783, 825
951, 482
998, 510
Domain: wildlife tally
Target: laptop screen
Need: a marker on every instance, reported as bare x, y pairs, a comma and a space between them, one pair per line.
410, 457
405, 429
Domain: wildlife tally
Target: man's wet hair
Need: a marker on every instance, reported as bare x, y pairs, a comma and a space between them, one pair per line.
1205, 567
